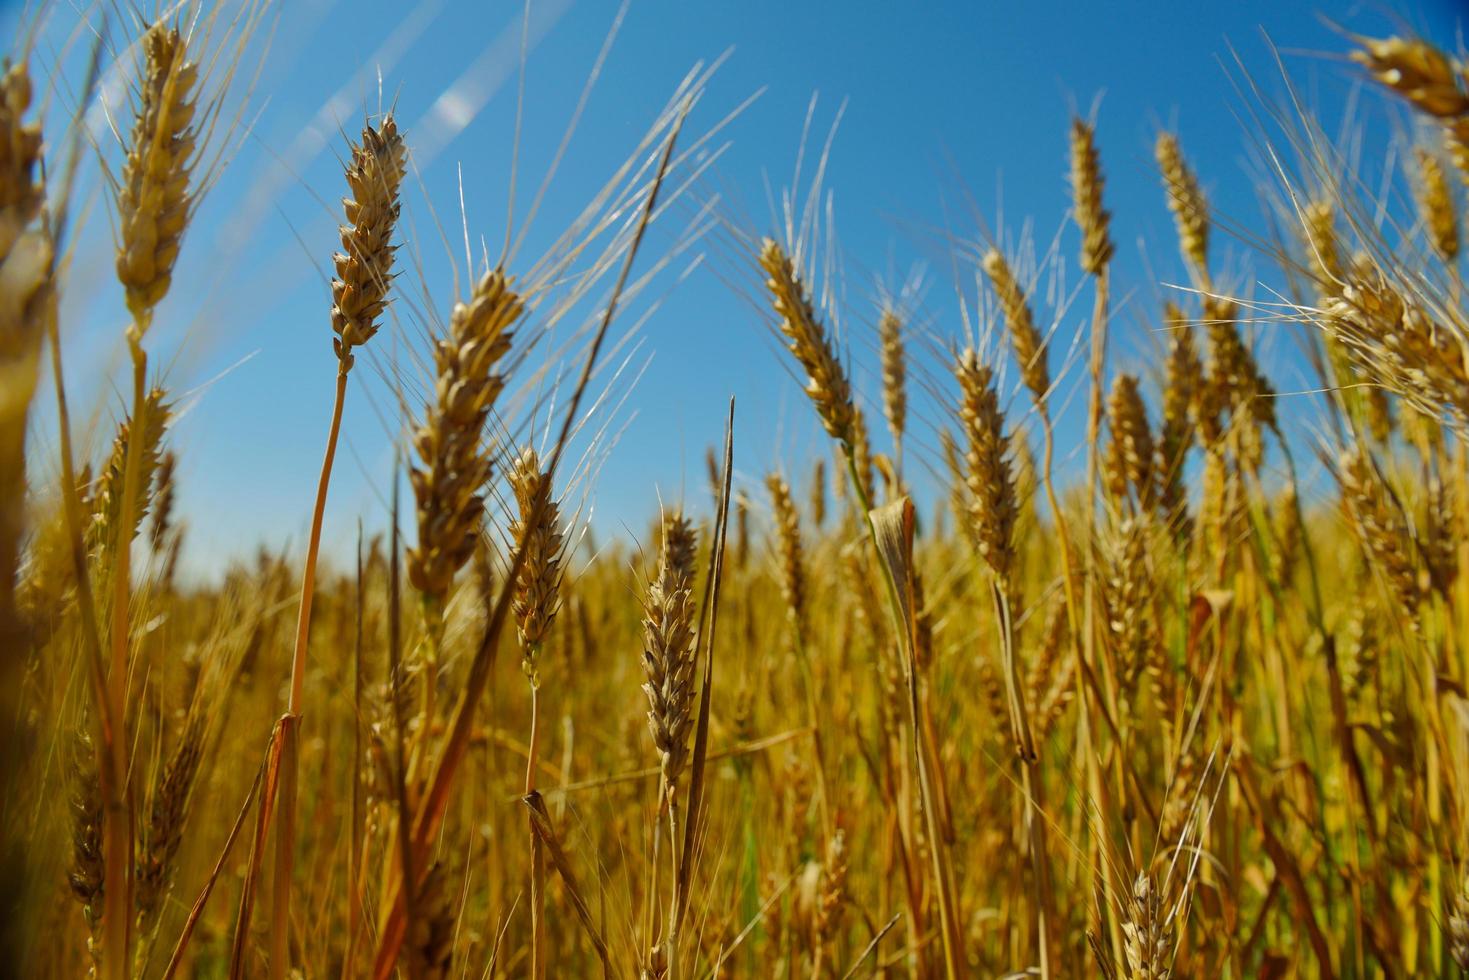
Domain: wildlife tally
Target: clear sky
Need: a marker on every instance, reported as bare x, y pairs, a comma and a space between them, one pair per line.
944, 101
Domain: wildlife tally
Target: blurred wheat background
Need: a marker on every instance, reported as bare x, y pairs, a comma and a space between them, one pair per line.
1070, 592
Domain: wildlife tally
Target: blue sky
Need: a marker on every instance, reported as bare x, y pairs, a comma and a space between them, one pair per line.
945, 103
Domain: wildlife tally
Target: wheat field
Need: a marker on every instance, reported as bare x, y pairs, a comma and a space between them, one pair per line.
1163, 711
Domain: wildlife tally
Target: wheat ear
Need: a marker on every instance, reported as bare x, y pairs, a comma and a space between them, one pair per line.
807, 340
455, 463
1187, 202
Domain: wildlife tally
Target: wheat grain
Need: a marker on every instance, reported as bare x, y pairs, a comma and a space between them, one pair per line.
1147, 933
166, 819
894, 373
1436, 206
154, 199
1187, 202
108, 537
538, 529
668, 636
1086, 192
807, 340
456, 464
792, 555
1416, 70
364, 267
1129, 459
1459, 925
991, 509
1380, 525
1030, 347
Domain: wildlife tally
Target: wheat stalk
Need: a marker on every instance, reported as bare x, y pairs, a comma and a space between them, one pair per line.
359, 296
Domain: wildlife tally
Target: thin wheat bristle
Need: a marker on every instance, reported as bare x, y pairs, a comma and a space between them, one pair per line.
806, 338
1086, 192
153, 198
456, 465
365, 265
1030, 347
1187, 202
991, 509
668, 638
